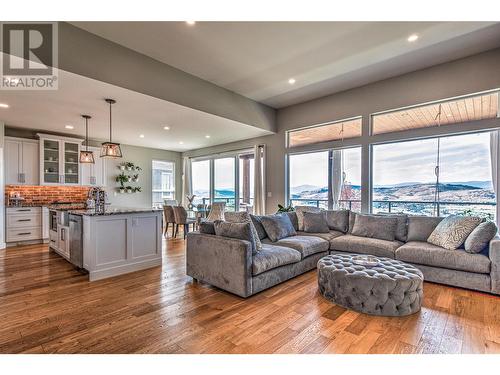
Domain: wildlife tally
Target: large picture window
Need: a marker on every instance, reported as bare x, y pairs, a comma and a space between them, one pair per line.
404, 178
163, 187
326, 179
200, 181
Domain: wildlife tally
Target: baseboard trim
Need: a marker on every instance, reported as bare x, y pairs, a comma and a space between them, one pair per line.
120, 270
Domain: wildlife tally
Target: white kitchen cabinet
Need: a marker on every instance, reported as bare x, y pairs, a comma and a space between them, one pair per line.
94, 174
59, 160
22, 162
23, 224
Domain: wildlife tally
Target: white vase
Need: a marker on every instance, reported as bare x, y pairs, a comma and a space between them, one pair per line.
122, 191
122, 167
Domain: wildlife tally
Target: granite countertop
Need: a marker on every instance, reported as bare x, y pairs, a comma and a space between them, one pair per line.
113, 211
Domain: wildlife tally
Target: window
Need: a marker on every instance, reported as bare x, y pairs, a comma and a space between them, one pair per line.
163, 184
404, 176
224, 181
200, 180
309, 174
246, 180
343, 129
455, 111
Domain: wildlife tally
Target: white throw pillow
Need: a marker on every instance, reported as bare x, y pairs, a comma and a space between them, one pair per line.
452, 232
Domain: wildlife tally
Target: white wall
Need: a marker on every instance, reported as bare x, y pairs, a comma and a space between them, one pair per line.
142, 157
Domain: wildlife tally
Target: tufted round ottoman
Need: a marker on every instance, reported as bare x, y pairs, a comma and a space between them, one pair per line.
392, 288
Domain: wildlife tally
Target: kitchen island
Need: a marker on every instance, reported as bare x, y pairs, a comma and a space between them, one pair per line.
116, 241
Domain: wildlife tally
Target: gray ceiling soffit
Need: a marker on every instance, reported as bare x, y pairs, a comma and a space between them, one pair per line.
89, 55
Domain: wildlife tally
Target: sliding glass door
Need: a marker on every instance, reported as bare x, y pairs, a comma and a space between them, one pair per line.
200, 180
224, 182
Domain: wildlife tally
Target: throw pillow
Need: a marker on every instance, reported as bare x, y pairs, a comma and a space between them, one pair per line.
293, 218
421, 227
402, 227
300, 214
480, 237
277, 226
452, 232
241, 231
380, 227
243, 217
338, 220
258, 226
315, 222
207, 227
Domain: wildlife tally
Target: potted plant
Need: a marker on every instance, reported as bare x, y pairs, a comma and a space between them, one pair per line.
130, 189
135, 178
129, 165
129, 178
121, 178
121, 190
137, 168
285, 209
137, 189
122, 167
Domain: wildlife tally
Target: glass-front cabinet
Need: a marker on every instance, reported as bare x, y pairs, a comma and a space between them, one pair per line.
59, 160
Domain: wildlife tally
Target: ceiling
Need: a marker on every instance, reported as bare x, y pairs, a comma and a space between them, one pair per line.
133, 114
256, 59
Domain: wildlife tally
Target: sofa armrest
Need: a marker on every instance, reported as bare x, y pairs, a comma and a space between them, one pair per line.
220, 261
494, 254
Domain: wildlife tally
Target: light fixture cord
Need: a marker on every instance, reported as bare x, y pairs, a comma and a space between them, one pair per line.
110, 122
86, 134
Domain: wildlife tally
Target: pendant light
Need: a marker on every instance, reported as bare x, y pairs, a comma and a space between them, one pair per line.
110, 149
87, 157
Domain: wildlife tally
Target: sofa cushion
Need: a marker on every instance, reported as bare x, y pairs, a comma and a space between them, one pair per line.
241, 231
480, 237
419, 252
372, 226
401, 228
272, 256
365, 245
326, 236
277, 226
315, 222
452, 232
258, 226
338, 220
421, 227
300, 214
243, 217
207, 227
306, 245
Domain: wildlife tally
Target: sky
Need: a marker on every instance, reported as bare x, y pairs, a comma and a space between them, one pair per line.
463, 158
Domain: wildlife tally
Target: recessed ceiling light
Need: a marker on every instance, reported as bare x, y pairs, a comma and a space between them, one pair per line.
449, 115
166, 127
191, 23
207, 136
412, 37
141, 136
291, 81
181, 143
69, 127
4, 105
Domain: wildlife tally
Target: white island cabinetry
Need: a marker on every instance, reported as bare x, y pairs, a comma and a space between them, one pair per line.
120, 241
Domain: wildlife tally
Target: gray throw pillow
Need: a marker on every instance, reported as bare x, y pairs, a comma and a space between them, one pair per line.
402, 227
207, 227
315, 222
338, 220
480, 237
277, 226
243, 217
241, 231
421, 227
300, 214
258, 226
380, 227
293, 218
452, 232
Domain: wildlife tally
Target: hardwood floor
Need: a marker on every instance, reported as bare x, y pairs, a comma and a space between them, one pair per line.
48, 307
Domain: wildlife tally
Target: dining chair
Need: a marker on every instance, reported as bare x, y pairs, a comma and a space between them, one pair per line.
168, 213
217, 211
181, 218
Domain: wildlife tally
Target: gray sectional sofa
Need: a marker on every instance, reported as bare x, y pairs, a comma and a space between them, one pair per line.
230, 264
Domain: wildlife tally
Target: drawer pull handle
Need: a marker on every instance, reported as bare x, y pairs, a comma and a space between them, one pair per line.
24, 220
23, 210
24, 233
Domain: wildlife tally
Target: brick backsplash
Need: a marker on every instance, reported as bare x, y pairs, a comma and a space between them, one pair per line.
34, 194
